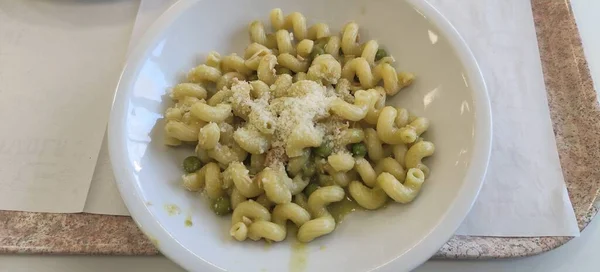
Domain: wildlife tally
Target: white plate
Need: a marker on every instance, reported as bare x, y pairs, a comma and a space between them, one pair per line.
449, 90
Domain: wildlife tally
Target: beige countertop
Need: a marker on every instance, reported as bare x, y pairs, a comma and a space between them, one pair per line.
577, 255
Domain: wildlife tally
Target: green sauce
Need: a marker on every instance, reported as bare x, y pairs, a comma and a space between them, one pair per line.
299, 256
339, 210
268, 245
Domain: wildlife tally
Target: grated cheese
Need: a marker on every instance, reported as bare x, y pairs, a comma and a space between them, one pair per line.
306, 102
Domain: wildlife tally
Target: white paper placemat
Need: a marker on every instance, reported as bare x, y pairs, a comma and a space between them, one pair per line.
524, 193
57, 79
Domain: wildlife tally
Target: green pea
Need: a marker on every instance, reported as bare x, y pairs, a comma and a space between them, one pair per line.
324, 150
309, 169
191, 164
381, 53
221, 205
252, 77
310, 188
316, 52
359, 149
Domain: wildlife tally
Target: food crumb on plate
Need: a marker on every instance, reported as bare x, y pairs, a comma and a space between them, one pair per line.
172, 209
188, 221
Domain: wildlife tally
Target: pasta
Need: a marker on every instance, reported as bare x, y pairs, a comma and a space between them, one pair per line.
416, 153
268, 230
297, 184
209, 113
366, 171
239, 231
258, 35
276, 230
303, 136
236, 198
284, 42
296, 164
209, 136
325, 69
391, 166
402, 193
333, 46
225, 154
317, 204
182, 131
226, 80
351, 136
390, 134
341, 162
366, 197
274, 187
349, 43
252, 140
213, 59
250, 211
374, 145
234, 63
296, 122
281, 85
183, 90
296, 65
399, 152
212, 180
337, 177
304, 48
239, 176
265, 69
363, 101
295, 20
204, 73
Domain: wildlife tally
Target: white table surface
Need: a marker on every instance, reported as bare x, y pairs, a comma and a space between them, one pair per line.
578, 255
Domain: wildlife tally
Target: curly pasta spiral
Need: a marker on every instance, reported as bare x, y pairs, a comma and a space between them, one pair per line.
297, 22
323, 223
350, 45
368, 77
208, 177
294, 20
259, 35
277, 230
400, 188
